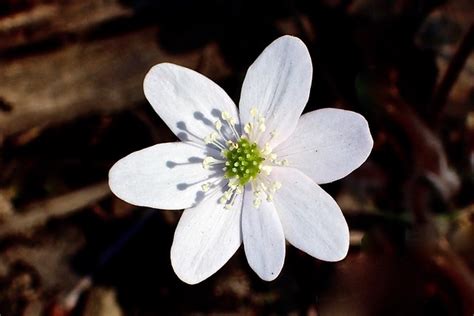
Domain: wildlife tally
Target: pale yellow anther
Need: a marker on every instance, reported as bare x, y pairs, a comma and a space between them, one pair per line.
253, 112
257, 202
266, 169
276, 185
228, 197
218, 125
211, 138
257, 193
226, 116
233, 184
207, 162
228, 194
266, 149
208, 139
208, 159
205, 187
269, 198
222, 200
284, 162
262, 127
248, 128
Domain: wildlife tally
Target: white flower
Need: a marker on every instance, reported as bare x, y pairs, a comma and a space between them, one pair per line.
246, 175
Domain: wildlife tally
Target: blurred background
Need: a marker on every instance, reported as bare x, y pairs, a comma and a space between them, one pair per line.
71, 104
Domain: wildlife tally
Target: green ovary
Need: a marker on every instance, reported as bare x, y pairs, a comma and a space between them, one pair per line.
243, 161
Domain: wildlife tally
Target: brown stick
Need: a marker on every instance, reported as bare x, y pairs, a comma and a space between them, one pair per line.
456, 65
39, 213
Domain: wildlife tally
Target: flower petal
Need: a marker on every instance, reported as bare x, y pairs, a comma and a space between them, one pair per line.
311, 219
264, 241
327, 144
205, 239
278, 85
164, 176
188, 102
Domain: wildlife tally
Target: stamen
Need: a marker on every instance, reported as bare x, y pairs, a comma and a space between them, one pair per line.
267, 169
243, 160
229, 196
230, 122
223, 200
211, 184
224, 153
218, 126
205, 187
272, 157
226, 116
276, 186
257, 202
212, 138
266, 149
230, 203
232, 127
253, 112
233, 183
209, 161
262, 184
230, 144
248, 128
257, 125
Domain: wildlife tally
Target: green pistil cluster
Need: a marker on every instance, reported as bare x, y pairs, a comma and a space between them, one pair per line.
243, 161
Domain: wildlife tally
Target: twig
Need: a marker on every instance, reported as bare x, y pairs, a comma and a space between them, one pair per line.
39, 213
435, 253
456, 65
456, 270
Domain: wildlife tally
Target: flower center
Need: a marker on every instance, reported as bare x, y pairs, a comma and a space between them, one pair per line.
244, 160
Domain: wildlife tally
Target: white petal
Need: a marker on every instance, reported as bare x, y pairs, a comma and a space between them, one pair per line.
188, 102
264, 241
311, 219
205, 239
164, 176
327, 144
278, 85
